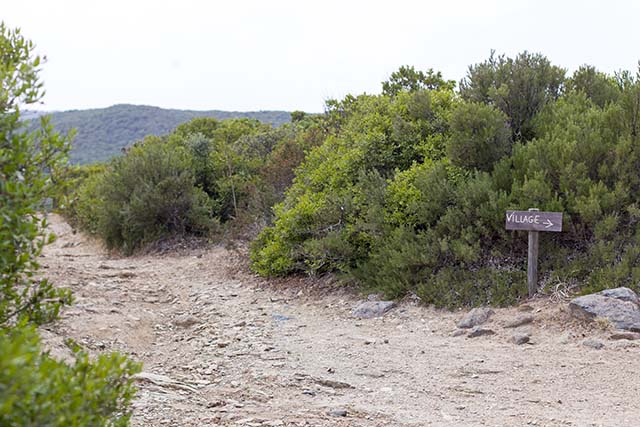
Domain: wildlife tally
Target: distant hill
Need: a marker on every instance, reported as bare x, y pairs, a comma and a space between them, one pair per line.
33, 114
103, 132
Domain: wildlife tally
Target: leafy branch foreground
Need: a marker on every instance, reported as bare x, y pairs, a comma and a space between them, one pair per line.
36, 389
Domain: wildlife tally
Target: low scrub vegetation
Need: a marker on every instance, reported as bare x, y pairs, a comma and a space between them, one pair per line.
206, 177
409, 194
405, 191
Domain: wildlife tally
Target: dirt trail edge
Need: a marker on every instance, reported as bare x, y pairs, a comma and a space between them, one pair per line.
222, 348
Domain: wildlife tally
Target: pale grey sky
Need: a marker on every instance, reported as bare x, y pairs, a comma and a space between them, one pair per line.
293, 55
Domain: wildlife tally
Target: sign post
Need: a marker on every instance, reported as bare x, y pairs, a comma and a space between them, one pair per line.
532, 260
533, 221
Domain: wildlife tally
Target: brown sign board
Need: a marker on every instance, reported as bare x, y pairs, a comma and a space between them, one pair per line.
534, 221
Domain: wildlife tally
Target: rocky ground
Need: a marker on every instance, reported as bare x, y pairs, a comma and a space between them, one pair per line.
222, 347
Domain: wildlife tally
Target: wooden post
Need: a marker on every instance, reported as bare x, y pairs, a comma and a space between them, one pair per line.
533, 221
532, 260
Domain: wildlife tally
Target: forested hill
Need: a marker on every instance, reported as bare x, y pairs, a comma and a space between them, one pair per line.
103, 132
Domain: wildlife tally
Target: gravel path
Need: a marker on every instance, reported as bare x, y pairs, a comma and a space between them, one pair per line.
221, 347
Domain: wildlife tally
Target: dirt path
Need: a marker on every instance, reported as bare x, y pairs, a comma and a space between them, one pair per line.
220, 347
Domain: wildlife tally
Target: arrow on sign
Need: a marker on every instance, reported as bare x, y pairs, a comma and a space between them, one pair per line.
548, 223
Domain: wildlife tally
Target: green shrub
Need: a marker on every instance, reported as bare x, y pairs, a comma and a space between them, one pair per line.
519, 87
207, 175
28, 161
432, 222
35, 389
453, 285
327, 219
75, 196
407, 79
38, 390
479, 137
600, 88
149, 194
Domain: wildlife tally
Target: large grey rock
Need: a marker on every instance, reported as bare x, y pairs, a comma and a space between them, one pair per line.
369, 309
619, 306
475, 317
624, 294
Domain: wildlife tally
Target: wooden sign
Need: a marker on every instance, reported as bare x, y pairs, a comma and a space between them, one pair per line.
534, 221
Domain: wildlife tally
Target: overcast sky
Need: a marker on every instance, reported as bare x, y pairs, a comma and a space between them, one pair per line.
293, 55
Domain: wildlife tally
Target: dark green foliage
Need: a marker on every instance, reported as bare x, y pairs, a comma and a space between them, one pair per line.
71, 180
297, 116
479, 137
104, 132
38, 390
452, 285
409, 80
148, 194
630, 101
600, 88
35, 389
519, 87
27, 160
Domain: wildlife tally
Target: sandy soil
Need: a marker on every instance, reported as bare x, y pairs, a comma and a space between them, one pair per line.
223, 347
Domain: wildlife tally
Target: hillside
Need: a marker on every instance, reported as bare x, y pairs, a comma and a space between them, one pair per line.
103, 132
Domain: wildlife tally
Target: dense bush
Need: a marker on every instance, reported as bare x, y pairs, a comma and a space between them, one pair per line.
406, 191
75, 186
600, 88
148, 194
325, 223
519, 87
479, 136
409, 190
204, 175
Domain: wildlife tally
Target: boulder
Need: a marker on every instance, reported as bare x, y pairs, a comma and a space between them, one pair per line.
370, 309
624, 294
619, 306
475, 317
